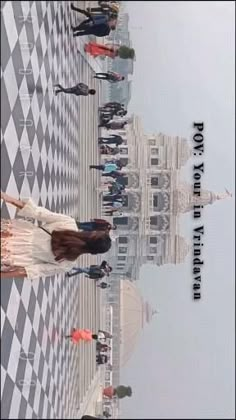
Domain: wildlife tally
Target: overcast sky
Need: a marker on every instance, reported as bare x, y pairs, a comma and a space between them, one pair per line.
183, 365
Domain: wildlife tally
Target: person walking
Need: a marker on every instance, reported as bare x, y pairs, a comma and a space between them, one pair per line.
101, 50
31, 251
113, 212
112, 109
98, 25
94, 272
102, 347
103, 285
111, 51
106, 167
106, 150
114, 174
104, 264
112, 198
110, 76
114, 205
81, 89
114, 125
96, 225
114, 105
116, 188
101, 359
106, 334
113, 139
78, 335
118, 162
120, 113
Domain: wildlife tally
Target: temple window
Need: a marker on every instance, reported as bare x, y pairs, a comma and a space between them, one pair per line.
152, 142
123, 151
154, 151
120, 220
155, 201
153, 220
153, 249
123, 240
122, 249
154, 181
154, 161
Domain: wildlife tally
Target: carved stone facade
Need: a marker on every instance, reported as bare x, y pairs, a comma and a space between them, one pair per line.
155, 199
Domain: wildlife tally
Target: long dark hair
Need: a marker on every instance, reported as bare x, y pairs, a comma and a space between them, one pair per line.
69, 245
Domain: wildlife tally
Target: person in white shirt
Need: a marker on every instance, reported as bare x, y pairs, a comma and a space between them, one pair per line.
28, 250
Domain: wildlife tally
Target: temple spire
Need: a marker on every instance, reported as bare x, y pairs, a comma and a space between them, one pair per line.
184, 199
222, 196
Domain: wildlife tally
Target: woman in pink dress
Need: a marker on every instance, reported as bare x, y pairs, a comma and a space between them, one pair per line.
97, 50
111, 51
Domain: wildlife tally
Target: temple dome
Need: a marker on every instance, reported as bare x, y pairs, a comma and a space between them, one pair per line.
134, 313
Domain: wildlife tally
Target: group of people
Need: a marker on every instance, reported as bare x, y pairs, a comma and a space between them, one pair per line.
54, 243
110, 116
86, 335
96, 272
100, 21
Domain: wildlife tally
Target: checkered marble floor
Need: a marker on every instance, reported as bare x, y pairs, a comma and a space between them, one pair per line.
47, 143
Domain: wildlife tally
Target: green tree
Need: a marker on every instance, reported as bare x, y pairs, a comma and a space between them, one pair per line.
123, 391
126, 52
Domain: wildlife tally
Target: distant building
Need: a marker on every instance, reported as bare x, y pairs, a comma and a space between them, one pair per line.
156, 196
130, 313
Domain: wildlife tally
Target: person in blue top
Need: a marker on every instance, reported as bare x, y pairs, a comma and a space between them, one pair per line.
107, 167
98, 25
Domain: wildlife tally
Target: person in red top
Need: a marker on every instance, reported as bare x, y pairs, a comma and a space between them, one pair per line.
81, 334
95, 224
102, 50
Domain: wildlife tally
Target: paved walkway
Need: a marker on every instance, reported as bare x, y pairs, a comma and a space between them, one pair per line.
47, 143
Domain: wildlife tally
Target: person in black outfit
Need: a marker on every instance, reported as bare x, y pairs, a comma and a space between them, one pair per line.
98, 25
101, 359
113, 139
114, 105
81, 89
110, 76
93, 272
120, 113
114, 174
111, 198
106, 150
103, 285
104, 264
